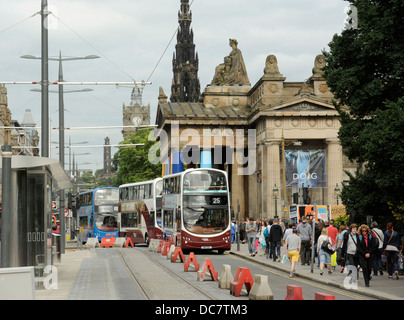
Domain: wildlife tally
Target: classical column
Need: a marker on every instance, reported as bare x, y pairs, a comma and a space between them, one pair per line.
237, 186
334, 169
273, 176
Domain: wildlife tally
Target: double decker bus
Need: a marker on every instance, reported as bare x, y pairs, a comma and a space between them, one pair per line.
196, 209
98, 213
140, 210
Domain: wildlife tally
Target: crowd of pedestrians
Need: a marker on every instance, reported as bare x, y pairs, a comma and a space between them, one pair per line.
353, 248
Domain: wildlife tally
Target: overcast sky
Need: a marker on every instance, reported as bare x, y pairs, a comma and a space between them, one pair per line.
131, 36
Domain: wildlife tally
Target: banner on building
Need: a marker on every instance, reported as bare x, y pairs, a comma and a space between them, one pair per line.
305, 168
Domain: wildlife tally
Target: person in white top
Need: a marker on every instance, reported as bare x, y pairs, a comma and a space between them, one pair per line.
324, 257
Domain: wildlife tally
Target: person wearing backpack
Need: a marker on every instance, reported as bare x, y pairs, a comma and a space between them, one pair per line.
377, 260
366, 247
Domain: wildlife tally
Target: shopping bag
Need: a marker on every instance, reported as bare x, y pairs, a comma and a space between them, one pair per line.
334, 259
284, 259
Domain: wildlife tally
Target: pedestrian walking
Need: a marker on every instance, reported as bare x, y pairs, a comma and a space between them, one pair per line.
251, 232
242, 231
324, 257
377, 259
233, 231
350, 250
275, 238
392, 246
366, 246
304, 231
340, 242
292, 247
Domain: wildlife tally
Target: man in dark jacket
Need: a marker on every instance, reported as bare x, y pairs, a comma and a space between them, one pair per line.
275, 238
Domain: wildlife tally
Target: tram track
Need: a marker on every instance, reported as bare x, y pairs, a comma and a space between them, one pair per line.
146, 292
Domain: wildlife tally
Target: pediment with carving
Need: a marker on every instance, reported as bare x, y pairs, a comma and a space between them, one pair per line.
304, 104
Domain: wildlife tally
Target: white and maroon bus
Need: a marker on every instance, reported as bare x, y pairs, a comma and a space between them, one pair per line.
140, 210
196, 209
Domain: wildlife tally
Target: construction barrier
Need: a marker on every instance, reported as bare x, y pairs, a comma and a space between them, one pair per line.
107, 242
177, 254
191, 258
260, 289
225, 277
170, 252
165, 249
323, 296
129, 242
294, 293
154, 244
119, 242
207, 266
161, 245
243, 277
92, 242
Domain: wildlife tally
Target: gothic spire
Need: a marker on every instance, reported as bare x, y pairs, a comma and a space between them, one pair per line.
185, 85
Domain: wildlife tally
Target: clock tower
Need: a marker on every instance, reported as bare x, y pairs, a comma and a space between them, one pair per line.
135, 115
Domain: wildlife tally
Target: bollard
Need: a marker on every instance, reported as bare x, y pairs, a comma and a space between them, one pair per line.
225, 277
323, 296
170, 252
161, 245
260, 289
119, 242
294, 293
191, 258
165, 249
129, 242
177, 254
92, 243
243, 277
207, 266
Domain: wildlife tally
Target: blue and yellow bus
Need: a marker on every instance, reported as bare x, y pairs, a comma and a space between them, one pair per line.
98, 213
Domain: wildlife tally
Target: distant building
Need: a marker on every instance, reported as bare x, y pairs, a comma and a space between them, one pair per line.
136, 114
185, 85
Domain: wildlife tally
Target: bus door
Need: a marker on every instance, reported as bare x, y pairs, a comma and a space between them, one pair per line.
169, 207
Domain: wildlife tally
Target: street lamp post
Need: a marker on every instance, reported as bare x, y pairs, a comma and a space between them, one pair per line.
61, 132
337, 190
275, 191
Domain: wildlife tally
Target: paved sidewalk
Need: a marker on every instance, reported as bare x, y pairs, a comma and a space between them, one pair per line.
381, 287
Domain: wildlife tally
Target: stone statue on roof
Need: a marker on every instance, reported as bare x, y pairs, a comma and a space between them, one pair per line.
233, 71
319, 64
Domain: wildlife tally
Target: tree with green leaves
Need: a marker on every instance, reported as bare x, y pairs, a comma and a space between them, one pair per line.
132, 163
365, 72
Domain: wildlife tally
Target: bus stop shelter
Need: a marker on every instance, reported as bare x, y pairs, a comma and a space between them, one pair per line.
27, 185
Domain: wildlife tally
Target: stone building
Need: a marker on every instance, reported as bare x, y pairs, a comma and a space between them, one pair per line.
277, 140
135, 114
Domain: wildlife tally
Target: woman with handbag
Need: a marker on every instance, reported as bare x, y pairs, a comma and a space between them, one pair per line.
366, 247
324, 254
391, 245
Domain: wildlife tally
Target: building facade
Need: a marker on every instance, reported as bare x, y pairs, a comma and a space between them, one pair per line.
277, 140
